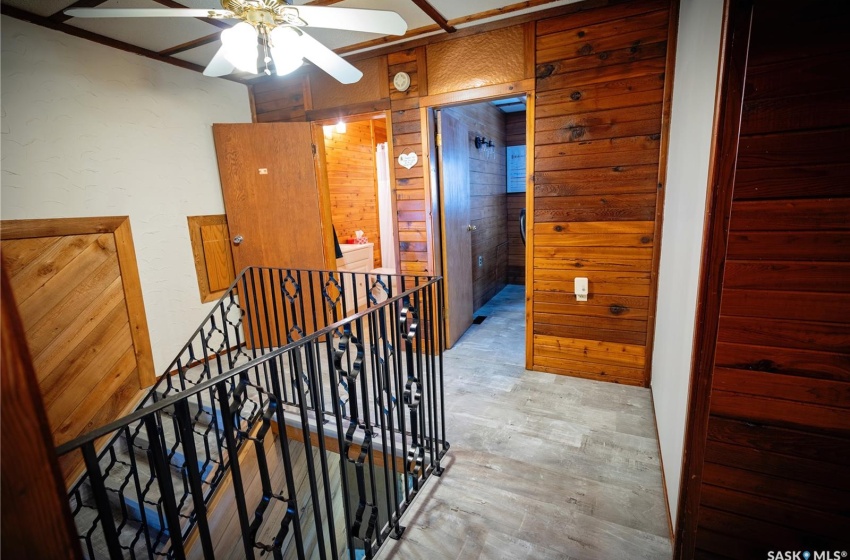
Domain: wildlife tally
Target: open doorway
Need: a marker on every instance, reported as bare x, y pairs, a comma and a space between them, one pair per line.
481, 190
357, 178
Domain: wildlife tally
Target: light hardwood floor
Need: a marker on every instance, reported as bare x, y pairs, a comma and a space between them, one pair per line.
541, 466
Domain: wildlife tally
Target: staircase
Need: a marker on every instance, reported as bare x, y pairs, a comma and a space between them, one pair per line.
292, 423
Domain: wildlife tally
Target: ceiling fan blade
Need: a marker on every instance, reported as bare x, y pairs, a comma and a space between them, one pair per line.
147, 12
328, 60
219, 65
352, 19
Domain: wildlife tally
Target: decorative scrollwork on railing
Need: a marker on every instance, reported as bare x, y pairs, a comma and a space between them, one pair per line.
290, 287
378, 292
347, 378
332, 291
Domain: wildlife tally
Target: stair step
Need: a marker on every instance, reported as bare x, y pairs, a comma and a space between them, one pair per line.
150, 516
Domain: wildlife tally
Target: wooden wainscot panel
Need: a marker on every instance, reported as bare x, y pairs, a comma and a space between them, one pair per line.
212, 254
76, 284
599, 131
327, 92
494, 57
282, 100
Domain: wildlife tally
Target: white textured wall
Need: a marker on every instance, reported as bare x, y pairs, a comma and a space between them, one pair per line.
92, 131
694, 85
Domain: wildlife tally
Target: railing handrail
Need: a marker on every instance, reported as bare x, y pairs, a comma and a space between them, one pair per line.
159, 405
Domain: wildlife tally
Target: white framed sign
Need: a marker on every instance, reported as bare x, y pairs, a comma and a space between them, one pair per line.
516, 168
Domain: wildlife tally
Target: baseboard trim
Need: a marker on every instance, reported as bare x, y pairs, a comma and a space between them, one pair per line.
663, 477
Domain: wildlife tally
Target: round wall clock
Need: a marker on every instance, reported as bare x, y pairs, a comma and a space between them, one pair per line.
401, 81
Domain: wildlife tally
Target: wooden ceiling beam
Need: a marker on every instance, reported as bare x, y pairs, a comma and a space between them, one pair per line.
409, 40
60, 15
194, 43
23, 15
432, 12
215, 22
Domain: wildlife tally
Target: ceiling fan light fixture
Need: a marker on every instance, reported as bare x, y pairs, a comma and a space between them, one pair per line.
285, 49
240, 46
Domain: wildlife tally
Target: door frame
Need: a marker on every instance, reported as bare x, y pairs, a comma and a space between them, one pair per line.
433, 189
322, 173
734, 43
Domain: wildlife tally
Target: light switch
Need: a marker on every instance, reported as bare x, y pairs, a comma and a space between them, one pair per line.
581, 289
264, 171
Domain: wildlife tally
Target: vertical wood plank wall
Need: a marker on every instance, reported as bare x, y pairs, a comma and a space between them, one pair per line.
600, 86
515, 136
600, 77
350, 163
73, 292
487, 200
773, 440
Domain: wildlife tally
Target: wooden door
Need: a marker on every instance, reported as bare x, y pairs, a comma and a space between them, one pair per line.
457, 238
769, 431
268, 178
277, 216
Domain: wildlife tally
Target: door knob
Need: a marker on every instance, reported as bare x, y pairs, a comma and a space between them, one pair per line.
471, 227
237, 240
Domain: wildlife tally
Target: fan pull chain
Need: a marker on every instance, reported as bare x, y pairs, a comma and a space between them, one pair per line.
266, 57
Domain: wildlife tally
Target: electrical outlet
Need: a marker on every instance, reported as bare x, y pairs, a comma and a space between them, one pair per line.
480, 261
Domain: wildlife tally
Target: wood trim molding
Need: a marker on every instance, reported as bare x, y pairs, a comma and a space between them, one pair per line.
119, 226
322, 185
393, 190
54, 227
529, 229
724, 149
135, 303
478, 94
667, 105
430, 183
347, 111
36, 520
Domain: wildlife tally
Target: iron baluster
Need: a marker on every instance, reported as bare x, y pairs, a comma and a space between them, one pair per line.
102, 501
291, 489
235, 470
166, 488
184, 422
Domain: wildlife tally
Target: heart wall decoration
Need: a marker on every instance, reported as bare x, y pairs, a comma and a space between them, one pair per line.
408, 160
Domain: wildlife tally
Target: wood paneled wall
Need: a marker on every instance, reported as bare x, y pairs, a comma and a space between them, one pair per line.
598, 123
598, 71
487, 200
352, 183
36, 518
515, 136
76, 285
769, 435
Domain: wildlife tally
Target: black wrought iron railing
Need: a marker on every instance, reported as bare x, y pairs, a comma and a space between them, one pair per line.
308, 406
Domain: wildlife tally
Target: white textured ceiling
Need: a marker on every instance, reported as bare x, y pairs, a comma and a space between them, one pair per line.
161, 34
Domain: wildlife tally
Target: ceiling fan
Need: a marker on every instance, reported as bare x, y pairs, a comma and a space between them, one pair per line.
278, 28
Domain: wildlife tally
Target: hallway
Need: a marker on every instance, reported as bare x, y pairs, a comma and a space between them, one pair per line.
541, 466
